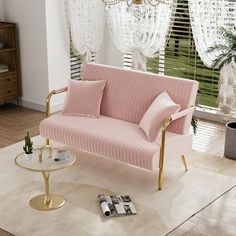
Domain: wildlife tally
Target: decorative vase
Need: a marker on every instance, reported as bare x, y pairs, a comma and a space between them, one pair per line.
230, 140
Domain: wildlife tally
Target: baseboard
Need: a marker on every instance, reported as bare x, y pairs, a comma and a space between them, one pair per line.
31, 105
40, 107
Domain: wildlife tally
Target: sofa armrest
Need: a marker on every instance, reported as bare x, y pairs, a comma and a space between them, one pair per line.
53, 92
61, 90
183, 113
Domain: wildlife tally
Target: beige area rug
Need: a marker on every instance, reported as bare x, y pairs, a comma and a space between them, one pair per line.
158, 211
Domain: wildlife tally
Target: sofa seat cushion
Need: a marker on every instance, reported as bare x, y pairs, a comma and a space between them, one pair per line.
108, 137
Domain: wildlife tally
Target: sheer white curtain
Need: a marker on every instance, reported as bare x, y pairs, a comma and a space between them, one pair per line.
141, 29
86, 23
207, 18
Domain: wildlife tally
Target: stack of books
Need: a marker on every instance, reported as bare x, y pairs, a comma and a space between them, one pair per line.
3, 68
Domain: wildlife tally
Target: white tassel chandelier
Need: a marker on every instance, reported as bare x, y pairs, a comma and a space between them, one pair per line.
129, 3
140, 29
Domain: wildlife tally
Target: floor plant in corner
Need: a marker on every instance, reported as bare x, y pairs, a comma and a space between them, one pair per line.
227, 86
225, 61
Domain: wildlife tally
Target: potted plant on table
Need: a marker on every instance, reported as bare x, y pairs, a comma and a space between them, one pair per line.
225, 61
28, 148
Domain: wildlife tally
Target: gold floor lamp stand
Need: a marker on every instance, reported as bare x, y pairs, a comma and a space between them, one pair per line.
47, 201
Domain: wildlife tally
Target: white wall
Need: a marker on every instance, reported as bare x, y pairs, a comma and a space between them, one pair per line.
31, 20
1, 10
44, 48
58, 50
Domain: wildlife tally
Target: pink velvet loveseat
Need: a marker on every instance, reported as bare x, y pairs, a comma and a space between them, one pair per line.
117, 134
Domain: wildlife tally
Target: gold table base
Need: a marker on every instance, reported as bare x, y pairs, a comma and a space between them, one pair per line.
39, 203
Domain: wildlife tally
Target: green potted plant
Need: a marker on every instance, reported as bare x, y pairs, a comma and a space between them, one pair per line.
28, 148
225, 61
194, 124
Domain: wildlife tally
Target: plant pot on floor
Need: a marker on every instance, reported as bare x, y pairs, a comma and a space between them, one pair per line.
230, 140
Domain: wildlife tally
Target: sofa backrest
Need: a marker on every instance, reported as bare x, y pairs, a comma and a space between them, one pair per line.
129, 93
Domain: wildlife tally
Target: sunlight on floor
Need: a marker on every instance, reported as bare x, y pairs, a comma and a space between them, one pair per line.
209, 137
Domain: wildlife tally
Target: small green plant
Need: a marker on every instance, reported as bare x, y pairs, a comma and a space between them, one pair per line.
225, 61
227, 49
28, 148
194, 124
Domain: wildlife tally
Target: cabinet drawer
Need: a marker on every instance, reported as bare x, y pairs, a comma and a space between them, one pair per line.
8, 88
8, 81
8, 94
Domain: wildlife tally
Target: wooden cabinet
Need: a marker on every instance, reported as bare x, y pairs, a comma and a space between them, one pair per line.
9, 63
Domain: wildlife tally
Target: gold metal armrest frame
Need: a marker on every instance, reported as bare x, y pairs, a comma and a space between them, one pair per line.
48, 106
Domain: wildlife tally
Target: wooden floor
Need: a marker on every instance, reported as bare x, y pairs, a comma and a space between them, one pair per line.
16, 121
214, 220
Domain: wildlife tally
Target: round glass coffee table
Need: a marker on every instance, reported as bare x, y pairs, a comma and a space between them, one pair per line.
45, 160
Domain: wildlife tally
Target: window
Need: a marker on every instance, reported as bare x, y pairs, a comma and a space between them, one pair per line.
127, 61
76, 64
181, 59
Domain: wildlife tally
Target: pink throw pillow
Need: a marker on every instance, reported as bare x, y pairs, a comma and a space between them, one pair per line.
84, 98
153, 119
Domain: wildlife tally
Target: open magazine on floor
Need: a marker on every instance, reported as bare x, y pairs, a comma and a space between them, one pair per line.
116, 205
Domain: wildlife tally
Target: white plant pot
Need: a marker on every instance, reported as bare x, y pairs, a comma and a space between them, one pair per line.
29, 156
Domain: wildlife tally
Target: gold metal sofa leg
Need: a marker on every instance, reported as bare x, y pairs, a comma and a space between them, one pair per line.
160, 176
184, 162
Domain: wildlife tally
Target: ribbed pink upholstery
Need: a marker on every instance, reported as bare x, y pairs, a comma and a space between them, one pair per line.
119, 140
129, 93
